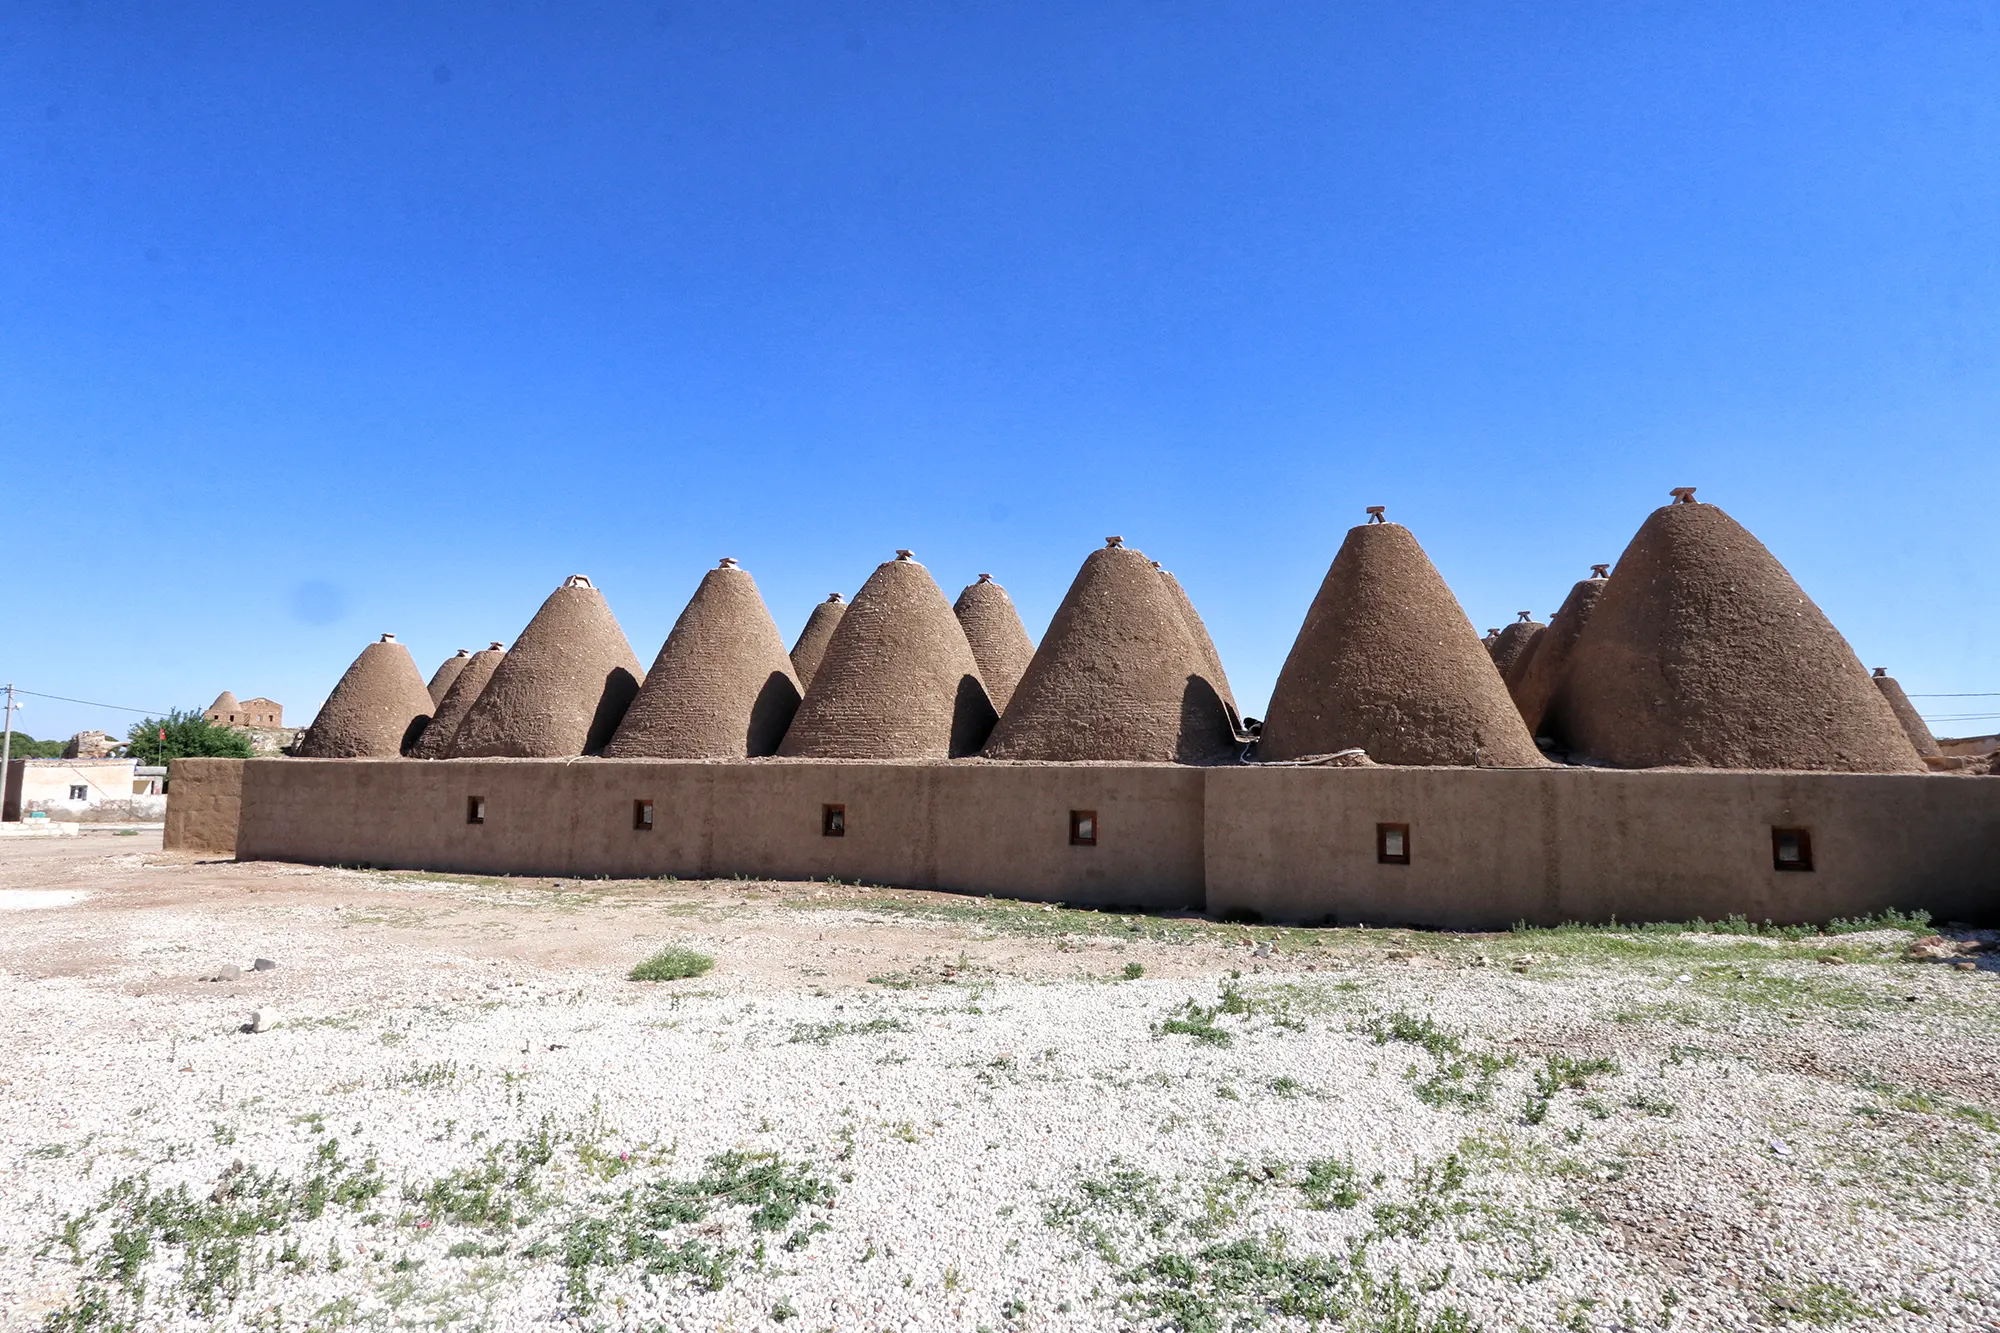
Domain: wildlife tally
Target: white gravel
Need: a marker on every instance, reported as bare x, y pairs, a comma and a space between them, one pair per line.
1765, 1152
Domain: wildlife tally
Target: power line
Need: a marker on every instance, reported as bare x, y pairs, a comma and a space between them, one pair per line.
1989, 694
116, 708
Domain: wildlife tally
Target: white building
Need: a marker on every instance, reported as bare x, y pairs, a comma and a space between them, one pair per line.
83, 791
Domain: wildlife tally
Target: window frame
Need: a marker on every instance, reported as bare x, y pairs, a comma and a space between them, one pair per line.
1803, 862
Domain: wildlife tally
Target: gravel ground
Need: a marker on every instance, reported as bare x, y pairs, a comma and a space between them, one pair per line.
888, 1110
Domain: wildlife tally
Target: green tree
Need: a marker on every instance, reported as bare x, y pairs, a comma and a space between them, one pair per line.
27, 747
187, 735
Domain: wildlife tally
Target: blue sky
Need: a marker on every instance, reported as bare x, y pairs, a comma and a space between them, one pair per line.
323, 320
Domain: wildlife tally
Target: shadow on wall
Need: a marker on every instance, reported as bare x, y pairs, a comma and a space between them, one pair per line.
1208, 731
620, 688
414, 733
771, 714
972, 718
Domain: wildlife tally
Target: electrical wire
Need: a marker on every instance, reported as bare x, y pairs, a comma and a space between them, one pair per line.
116, 708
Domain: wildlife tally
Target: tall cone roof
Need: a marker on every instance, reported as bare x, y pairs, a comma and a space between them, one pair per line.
722, 686
1387, 662
561, 689
1119, 675
1912, 723
1538, 679
225, 704
1211, 658
447, 672
1512, 643
1704, 653
458, 700
811, 647
999, 644
898, 680
376, 711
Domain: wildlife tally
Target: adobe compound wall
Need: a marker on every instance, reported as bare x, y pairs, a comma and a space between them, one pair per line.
204, 803
1487, 847
972, 828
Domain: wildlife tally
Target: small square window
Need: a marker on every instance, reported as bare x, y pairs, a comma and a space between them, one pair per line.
642, 816
475, 809
1392, 844
79, 793
1083, 828
833, 821
1791, 849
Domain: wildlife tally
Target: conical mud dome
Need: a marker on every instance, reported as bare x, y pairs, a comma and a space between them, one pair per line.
898, 680
1704, 653
447, 672
1913, 724
1512, 644
225, 709
1213, 659
722, 686
1388, 663
376, 711
458, 701
999, 644
1538, 678
561, 689
811, 647
1118, 676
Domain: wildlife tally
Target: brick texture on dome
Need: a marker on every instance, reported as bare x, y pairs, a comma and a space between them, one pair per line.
898, 680
447, 672
1512, 644
1387, 662
1118, 676
722, 686
1538, 679
465, 690
562, 688
808, 652
999, 643
1912, 722
1211, 659
377, 711
1704, 653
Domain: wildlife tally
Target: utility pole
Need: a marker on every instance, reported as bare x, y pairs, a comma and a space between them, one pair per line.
7, 744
